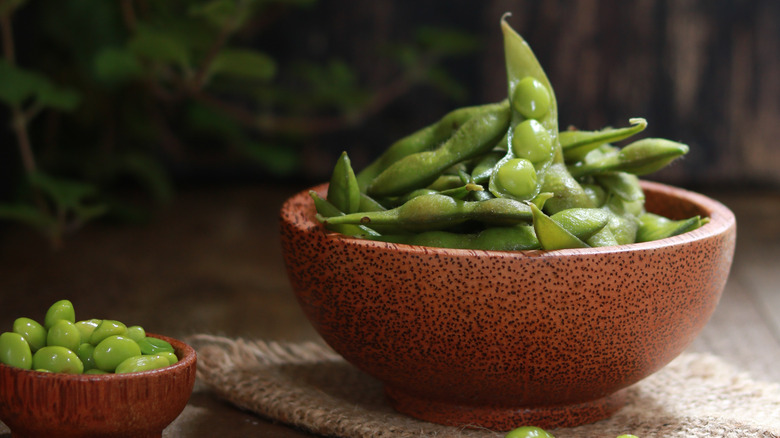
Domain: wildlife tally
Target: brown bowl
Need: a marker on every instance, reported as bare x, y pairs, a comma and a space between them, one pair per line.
502, 339
56, 405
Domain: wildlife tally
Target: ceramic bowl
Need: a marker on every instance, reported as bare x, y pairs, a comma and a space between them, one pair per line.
55, 405
501, 339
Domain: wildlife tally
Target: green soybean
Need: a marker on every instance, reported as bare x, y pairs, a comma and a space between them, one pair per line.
170, 356
142, 363
136, 333
531, 98
57, 359
65, 334
516, 177
106, 328
87, 327
114, 349
528, 432
530, 140
86, 353
62, 309
32, 331
15, 351
150, 345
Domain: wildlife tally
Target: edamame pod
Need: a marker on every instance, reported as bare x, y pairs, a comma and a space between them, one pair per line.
654, 227
514, 238
425, 139
576, 144
639, 158
551, 235
343, 190
327, 209
582, 222
476, 136
533, 130
428, 212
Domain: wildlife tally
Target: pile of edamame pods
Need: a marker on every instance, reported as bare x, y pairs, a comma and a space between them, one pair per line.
501, 176
93, 346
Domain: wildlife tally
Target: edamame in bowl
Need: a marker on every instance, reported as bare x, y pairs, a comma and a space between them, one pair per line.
95, 377
493, 271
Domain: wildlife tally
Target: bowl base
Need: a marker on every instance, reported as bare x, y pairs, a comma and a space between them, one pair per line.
504, 418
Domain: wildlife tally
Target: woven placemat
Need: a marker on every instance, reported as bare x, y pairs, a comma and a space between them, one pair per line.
308, 386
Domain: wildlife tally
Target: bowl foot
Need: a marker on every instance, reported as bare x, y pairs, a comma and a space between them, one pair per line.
504, 418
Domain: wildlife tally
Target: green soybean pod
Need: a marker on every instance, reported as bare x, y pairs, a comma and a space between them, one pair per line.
65, 334
62, 309
551, 235
577, 144
15, 351
582, 222
137, 364
106, 328
112, 350
32, 331
151, 345
57, 359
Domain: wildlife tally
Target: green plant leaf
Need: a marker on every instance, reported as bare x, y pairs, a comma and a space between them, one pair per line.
26, 214
248, 64
19, 85
64, 192
278, 160
159, 46
447, 42
63, 99
440, 79
113, 65
217, 12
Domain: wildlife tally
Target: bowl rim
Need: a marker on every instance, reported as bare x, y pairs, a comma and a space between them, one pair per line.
187, 360
721, 221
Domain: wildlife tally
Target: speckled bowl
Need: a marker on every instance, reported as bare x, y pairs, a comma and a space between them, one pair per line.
501, 339
139, 405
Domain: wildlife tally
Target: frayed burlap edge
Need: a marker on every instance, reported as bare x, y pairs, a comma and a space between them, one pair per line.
308, 386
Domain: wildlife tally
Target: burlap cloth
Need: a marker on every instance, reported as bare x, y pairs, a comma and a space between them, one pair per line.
308, 386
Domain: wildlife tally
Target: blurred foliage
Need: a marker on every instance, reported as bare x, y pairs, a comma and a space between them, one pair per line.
112, 94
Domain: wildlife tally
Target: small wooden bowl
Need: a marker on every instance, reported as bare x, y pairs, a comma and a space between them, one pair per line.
54, 405
502, 339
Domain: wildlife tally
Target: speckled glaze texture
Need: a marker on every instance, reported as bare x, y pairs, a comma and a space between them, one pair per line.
501, 339
138, 405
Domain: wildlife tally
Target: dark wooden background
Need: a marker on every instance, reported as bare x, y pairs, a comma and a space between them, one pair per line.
703, 72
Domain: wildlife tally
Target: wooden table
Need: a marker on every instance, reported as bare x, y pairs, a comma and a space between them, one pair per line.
211, 263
